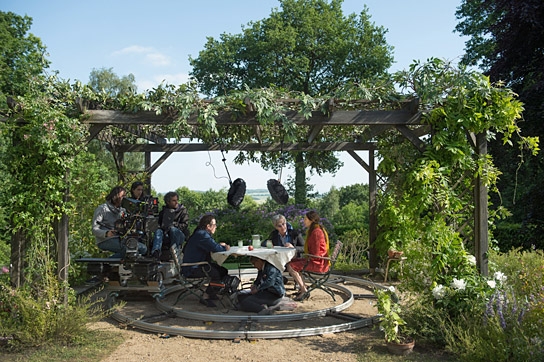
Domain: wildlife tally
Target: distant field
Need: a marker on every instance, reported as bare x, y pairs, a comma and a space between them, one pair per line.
259, 195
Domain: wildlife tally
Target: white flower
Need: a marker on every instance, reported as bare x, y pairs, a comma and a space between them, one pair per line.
391, 289
471, 259
439, 292
491, 283
458, 284
499, 276
535, 340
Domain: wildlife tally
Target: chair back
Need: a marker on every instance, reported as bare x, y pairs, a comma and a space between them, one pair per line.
336, 252
319, 280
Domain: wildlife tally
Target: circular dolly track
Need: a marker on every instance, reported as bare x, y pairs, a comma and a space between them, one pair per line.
246, 322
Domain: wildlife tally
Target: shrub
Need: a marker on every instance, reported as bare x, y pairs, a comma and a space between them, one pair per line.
240, 224
35, 315
500, 335
486, 319
389, 310
354, 250
527, 235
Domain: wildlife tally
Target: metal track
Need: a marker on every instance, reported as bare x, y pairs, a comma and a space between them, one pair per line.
247, 323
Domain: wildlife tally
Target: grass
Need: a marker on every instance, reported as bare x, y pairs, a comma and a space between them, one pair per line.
94, 346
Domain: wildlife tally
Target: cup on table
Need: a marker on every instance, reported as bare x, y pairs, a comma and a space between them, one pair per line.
269, 244
240, 243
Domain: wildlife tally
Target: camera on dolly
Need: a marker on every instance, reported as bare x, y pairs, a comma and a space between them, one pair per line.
137, 224
134, 273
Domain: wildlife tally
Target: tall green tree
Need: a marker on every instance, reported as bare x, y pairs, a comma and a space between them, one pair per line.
105, 80
507, 42
307, 46
22, 55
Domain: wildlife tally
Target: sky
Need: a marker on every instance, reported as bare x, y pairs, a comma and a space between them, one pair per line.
153, 40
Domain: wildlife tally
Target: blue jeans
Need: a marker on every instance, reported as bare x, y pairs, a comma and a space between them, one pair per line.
176, 236
118, 248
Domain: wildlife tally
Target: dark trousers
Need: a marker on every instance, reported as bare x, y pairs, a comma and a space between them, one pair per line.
256, 302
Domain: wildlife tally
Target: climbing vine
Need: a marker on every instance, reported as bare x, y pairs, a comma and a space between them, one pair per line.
426, 190
427, 206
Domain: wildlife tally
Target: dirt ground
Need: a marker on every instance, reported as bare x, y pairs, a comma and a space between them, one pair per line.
342, 346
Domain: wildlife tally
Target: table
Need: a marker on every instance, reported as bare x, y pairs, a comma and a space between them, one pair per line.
277, 256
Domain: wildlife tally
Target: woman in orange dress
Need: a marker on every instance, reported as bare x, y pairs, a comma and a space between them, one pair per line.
317, 243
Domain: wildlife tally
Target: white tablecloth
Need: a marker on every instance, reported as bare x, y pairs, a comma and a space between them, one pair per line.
278, 256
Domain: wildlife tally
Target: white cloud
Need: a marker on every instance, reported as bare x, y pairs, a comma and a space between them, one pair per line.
150, 55
157, 59
133, 49
155, 80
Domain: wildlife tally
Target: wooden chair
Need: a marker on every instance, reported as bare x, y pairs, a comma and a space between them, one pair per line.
319, 280
400, 259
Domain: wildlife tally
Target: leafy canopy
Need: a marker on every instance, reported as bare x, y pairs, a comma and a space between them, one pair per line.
105, 80
22, 55
307, 46
506, 38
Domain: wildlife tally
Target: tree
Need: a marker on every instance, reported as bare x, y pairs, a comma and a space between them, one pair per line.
105, 80
356, 193
308, 46
22, 55
329, 204
22, 58
506, 40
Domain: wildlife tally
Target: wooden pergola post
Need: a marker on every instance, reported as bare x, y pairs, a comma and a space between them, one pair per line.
373, 213
18, 244
481, 231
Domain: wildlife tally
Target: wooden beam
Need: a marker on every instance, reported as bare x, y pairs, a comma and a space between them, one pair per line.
408, 134
314, 132
360, 161
373, 213
94, 130
337, 118
275, 147
137, 131
159, 162
481, 232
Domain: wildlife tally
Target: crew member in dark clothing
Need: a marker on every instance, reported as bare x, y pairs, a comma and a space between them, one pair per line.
173, 224
267, 290
198, 249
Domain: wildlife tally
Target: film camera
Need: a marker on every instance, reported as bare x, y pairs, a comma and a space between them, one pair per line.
134, 272
137, 224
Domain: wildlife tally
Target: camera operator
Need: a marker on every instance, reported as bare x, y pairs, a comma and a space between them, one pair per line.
137, 191
105, 216
173, 224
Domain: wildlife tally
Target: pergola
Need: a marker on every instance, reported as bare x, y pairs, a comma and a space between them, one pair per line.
406, 119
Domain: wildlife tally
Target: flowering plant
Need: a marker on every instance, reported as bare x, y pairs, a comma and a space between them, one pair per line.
389, 313
466, 294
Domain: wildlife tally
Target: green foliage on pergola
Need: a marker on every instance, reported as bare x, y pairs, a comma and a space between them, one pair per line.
53, 122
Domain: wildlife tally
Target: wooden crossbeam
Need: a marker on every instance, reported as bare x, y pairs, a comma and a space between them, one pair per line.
338, 118
275, 147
